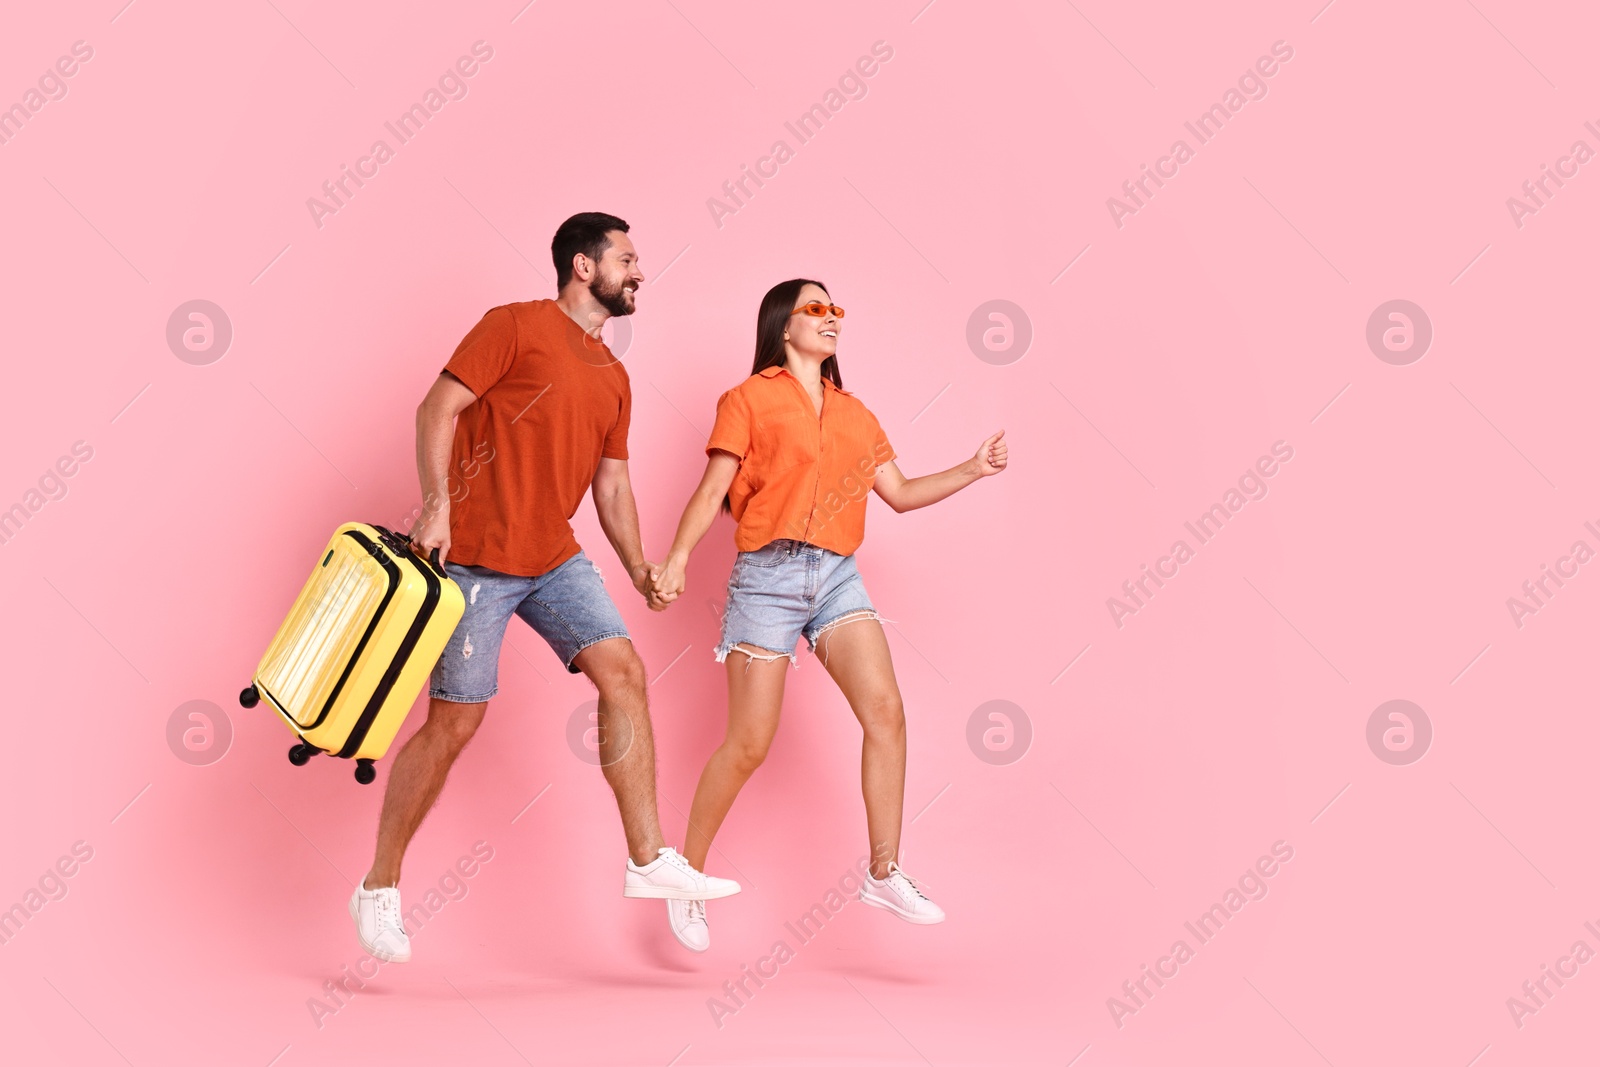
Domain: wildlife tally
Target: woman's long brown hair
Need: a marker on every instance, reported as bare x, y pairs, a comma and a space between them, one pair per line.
772, 319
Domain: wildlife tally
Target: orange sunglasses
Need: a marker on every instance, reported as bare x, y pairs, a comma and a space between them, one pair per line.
818, 310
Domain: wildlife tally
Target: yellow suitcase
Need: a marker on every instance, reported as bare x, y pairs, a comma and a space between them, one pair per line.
360, 641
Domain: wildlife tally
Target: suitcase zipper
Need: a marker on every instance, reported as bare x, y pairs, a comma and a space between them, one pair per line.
381, 693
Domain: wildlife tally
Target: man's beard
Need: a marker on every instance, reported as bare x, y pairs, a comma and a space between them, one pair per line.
613, 298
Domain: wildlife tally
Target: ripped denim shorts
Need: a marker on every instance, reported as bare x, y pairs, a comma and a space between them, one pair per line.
789, 589
568, 607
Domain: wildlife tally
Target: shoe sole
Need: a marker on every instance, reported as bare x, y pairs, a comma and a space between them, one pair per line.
909, 917
666, 892
374, 951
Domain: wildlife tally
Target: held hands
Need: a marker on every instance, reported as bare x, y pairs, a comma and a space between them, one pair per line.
670, 580
644, 578
659, 584
991, 455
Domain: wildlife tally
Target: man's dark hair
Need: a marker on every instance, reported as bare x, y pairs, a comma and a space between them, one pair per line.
586, 233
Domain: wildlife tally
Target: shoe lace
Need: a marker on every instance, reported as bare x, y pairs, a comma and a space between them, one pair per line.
388, 910
697, 910
903, 881
676, 858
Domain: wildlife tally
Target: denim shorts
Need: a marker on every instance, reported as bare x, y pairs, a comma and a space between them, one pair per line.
786, 590
568, 607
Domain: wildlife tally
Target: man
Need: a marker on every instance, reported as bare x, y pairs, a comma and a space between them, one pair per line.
544, 410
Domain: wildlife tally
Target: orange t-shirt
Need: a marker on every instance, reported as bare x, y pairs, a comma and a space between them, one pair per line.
551, 402
800, 476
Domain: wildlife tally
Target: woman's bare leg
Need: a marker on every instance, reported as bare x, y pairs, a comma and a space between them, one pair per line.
755, 697
856, 653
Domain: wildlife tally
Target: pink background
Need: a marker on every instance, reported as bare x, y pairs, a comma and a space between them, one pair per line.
1228, 714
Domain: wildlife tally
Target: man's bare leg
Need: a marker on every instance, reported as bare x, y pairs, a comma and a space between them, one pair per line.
415, 779
627, 744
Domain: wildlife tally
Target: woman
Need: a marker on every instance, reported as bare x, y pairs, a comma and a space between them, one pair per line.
792, 456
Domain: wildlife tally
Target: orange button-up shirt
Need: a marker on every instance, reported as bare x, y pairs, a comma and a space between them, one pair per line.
800, 476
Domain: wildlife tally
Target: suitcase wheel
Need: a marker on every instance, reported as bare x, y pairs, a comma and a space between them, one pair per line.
299, 754
249, 698
365, 771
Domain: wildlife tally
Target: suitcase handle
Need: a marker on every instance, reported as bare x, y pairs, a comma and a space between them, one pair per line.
402, 543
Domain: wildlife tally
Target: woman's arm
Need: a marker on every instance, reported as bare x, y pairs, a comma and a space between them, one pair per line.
908, 494
698, 514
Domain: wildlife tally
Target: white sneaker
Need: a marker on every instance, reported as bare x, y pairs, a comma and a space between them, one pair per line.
378, 925
899, 894
671, 877
688, 921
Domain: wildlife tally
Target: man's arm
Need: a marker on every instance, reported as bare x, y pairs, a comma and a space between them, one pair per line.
436, 428
619, 518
